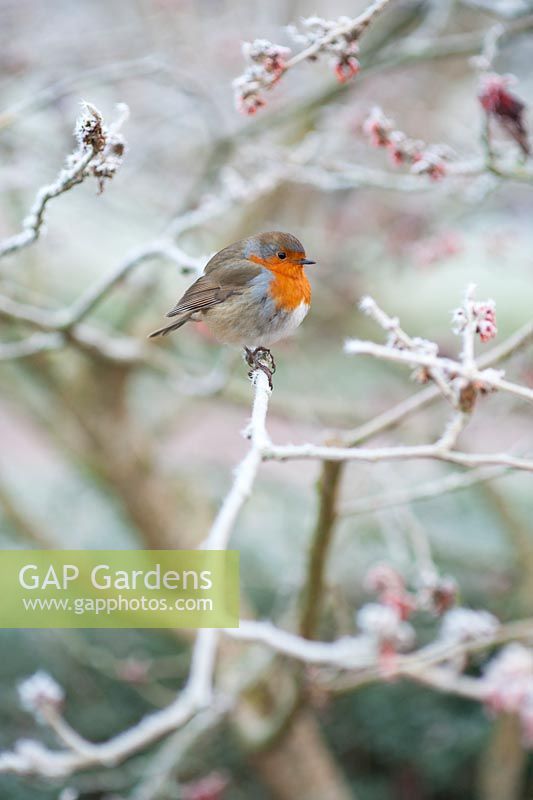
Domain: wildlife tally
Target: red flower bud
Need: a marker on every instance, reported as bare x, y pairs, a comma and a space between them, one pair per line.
498, 102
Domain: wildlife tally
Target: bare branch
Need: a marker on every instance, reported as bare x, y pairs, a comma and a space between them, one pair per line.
425, 491
373, 456
38, 343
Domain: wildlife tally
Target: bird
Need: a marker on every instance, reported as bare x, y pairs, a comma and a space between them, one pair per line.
252, 293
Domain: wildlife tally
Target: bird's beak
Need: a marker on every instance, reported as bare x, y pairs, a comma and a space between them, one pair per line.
305, 261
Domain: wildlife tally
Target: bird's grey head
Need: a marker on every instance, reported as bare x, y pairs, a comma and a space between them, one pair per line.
275, 247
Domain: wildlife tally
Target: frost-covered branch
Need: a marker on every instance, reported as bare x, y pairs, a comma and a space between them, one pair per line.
460, 380
506, 684
99, 153
358, 652
268, 62
246, 472
43, 697
407, 453
115, 348
37, 343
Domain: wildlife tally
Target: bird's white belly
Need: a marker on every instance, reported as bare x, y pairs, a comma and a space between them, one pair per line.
281, 326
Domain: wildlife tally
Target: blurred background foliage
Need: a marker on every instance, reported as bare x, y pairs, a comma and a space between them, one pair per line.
95, 455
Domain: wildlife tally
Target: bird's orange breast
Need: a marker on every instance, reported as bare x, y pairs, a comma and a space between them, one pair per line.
289, 286
290, 292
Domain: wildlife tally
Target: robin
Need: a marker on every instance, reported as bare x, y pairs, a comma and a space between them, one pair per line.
252, 294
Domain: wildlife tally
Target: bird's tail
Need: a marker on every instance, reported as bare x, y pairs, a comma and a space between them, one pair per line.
172, 327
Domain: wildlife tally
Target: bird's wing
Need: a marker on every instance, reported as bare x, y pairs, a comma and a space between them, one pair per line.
229, 257
213, 288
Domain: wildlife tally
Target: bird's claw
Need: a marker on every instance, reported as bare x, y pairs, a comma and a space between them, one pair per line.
260, 359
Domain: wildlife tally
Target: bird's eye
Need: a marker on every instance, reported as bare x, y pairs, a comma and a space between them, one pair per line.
282, 255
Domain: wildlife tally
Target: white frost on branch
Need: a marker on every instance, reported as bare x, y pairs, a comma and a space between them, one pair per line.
100, 151
465, 624
268, 62
459, 380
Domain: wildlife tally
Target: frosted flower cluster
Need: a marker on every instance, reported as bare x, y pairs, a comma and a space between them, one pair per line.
484, 316
107, 145
39, 692
333, 37
389, 585
508, 679
266, 63
436, 594
422, 159
89, 129
504, 107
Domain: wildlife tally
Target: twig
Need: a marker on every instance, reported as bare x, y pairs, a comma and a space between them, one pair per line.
377, 454
356, 652
453, 368
443, 371
96, 293
161, 773
355, 27
31, 227
500, 8
93, 139
415, 664
37, 343
425, 491
269, 62
346, 652
33, 758
398, 338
